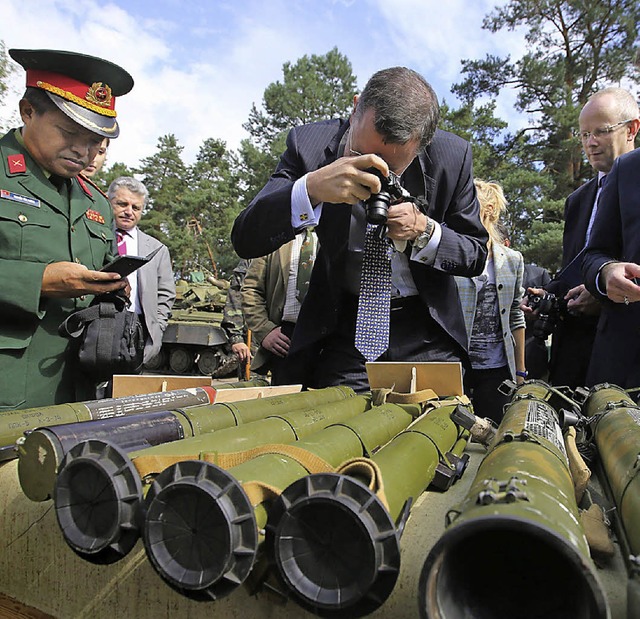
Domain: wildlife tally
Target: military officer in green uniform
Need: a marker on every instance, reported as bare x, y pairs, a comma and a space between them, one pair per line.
55, 229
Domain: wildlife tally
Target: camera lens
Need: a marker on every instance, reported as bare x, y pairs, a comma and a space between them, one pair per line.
377, 208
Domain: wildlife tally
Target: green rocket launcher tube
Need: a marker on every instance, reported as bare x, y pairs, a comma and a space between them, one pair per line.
99, 489
193, 503
15, 422
42, 450
617, 436
515, 546
335, 538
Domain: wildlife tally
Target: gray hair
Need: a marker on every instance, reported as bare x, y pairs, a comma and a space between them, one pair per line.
405, 106
625, 104
130, 183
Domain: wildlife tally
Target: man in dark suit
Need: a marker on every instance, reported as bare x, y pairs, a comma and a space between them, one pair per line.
322, 179
607, 130
611, 268
153, 289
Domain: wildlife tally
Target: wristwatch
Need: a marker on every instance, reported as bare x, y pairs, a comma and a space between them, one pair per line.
522, 374
420, 242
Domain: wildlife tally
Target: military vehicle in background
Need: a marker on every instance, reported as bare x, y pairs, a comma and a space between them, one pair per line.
194, 341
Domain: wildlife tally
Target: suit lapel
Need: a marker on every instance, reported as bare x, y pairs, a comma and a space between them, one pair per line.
585, 208
285, 262
143, 250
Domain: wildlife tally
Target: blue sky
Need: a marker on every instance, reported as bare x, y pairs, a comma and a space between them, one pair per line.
200, 65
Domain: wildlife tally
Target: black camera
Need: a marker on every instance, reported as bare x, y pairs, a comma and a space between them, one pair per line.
391, 191
550, 310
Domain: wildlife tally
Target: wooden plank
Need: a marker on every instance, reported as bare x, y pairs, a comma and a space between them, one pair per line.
12, 609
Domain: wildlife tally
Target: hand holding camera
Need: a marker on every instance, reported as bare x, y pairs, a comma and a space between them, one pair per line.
347, 180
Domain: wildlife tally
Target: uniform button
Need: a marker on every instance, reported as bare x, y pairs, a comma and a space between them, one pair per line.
503, 311
77, 260
73, 228
22, 218
82, 297
104, 236
500, 286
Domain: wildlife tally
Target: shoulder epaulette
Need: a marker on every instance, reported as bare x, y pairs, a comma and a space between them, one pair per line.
84, 180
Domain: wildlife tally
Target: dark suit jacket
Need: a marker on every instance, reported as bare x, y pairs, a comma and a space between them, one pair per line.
616, 236
442, 173
573, 337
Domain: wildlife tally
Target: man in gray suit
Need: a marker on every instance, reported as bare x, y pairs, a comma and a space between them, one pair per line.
153, 288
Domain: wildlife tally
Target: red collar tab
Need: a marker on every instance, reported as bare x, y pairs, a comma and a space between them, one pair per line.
84, 186
96, 97
95, 216
17, 164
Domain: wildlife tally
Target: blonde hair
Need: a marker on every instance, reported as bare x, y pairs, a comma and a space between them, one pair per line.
492, 204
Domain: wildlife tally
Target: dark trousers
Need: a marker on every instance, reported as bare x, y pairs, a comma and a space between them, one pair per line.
482, 387
571, 346
413, 336
278, 366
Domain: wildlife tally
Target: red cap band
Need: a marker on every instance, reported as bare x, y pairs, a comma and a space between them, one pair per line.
97, 97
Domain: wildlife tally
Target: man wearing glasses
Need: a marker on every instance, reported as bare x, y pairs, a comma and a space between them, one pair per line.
326, 174
611, 265
608, 126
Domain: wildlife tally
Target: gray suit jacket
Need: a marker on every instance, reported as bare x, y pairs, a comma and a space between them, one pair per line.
156, 290
509, 270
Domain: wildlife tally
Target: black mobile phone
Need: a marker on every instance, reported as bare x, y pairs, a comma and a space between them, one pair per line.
125, 265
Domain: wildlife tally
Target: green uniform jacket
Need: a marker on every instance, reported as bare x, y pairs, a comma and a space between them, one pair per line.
39, 226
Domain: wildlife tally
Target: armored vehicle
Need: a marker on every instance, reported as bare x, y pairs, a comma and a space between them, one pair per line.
194, 340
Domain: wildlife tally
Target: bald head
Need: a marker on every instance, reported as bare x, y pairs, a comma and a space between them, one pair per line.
609, 122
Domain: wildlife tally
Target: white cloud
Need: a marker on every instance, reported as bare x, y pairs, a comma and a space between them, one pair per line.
199, 66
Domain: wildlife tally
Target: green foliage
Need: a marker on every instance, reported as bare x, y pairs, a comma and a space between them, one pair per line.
104, 177
192, 208
165, 174
574, 47
314, 88
7, 68
544, 245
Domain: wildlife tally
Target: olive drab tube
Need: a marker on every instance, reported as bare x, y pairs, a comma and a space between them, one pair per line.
243, 384
515, 545
335, 538
15, 422
615, 420
186, 509
617, 436
41, 451
99, 488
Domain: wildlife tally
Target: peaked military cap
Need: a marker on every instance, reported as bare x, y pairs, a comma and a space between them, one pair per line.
83, 87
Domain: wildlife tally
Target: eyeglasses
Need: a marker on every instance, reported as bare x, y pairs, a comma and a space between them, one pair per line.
602, 131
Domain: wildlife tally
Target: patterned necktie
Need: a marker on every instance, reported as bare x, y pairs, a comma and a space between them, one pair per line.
374, 304
121, 238
305, 264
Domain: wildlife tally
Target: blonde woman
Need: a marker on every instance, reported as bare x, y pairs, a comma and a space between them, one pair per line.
494, 321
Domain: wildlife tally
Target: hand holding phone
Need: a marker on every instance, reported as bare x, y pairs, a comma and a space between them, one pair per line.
125, 265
